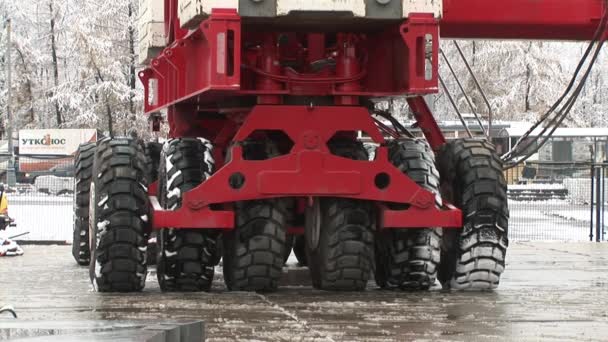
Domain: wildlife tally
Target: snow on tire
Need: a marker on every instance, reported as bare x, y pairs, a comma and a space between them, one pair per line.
186, 257
119, 216
83, 164
409, 258
472, 178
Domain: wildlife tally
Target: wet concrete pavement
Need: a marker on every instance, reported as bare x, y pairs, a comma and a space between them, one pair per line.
550, 291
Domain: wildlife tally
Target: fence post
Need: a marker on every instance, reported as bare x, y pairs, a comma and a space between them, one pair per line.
591, 202
604, 168
598, 205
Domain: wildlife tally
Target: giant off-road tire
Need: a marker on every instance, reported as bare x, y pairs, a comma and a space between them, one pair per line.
472, 178
152, 151
254, 251
119, 216
340, 235
409, 258
185, 256
83, 165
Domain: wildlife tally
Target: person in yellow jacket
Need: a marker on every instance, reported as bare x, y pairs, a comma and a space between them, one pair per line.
4, 218
3, 202
8, 247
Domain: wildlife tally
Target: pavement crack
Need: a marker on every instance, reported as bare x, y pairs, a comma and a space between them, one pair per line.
304, 324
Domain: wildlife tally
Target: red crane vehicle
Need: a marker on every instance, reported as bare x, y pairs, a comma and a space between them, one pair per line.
265, 100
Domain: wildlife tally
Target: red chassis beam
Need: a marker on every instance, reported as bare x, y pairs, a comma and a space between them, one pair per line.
308, 170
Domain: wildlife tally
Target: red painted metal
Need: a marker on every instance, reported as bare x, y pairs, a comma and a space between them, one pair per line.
191, 217
217, 61
418, 31
316, 47
153, 189
308, 170
269, 62
347, 66
209, 77
426, 121
522, 19
205, 61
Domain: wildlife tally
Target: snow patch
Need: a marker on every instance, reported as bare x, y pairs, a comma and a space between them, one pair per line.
173, 178
169, 254
209, 159
103, 201
97, 273
101, 226
174, 193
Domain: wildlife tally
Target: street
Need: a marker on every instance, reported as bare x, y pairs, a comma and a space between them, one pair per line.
550, 291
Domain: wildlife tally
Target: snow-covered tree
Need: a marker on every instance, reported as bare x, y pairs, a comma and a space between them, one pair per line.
74, 66
523, 79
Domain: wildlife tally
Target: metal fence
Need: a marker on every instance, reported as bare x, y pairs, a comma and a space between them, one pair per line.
41, 201
558, 201
548, 201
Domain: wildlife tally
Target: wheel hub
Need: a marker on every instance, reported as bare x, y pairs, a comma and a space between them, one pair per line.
92, 207
313, 224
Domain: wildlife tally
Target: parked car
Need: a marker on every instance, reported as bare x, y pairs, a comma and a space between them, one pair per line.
61, 170
54, 185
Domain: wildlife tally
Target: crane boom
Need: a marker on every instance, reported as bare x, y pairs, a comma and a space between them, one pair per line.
521, 19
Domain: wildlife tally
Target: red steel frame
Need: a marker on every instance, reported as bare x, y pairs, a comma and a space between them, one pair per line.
308, 170
202, 67
204, 71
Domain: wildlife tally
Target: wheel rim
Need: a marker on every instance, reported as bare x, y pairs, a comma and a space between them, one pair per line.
313, 224
92, 217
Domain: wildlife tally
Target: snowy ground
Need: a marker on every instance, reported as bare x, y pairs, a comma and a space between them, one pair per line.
549, 292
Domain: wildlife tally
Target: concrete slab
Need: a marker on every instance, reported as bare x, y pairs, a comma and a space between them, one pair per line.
550, 291
79, 330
